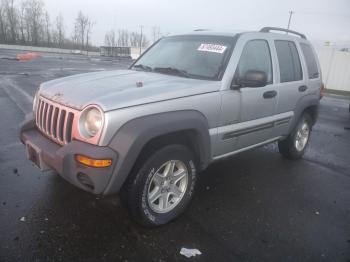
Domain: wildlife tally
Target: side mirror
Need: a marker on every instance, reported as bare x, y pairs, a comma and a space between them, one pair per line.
252, 78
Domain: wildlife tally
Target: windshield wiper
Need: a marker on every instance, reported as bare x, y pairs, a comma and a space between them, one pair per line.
143, 67
171, 71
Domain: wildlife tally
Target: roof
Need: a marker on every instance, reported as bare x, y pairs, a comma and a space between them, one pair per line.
292, 34
212, 32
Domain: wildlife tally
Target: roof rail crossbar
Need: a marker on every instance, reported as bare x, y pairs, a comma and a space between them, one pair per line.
268, 29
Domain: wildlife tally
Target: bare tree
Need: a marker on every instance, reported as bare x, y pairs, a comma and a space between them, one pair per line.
12, 19
81, 24
123, 37
88, 33
34, 19
135, 39
155, 33
27, 22
145, 41
110, 38
60, 30
22, 23
3, 23
75, 35
47, 28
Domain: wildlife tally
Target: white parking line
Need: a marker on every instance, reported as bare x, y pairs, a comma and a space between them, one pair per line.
21, 98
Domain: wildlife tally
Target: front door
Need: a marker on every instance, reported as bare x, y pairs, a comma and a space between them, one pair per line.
257, 103
252, 108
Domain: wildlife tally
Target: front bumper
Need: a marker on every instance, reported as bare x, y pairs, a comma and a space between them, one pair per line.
62, 158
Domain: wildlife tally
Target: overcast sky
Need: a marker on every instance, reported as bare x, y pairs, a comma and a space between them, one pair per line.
320, 20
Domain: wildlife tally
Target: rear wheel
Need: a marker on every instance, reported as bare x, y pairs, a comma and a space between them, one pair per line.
294, 146
161, 188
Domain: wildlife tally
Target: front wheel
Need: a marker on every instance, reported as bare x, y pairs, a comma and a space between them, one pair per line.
161, 188
294, 146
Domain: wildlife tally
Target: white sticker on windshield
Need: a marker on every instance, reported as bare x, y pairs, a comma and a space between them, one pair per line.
212, 48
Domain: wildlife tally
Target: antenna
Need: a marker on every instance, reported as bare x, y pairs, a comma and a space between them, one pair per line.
290, 19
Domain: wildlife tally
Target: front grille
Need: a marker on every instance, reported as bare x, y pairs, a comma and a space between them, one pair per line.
55, 121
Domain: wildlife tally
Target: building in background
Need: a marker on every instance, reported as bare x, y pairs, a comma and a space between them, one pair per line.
115, 51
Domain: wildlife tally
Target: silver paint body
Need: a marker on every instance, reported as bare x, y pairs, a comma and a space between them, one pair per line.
226, 110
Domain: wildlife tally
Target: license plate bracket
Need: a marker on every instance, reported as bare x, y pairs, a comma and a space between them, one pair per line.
35, 156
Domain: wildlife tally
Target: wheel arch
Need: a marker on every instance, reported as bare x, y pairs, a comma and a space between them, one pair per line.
308, 104
312, 110
141, 136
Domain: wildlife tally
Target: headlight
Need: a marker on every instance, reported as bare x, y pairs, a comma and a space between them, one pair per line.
90, 122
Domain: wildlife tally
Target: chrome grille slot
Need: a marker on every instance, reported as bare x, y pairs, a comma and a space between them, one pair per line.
60, 124
69, 126
55, 121
37, 115
45, 117
49, 120
41, 114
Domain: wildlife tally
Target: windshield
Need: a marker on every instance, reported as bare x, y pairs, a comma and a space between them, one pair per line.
201, 57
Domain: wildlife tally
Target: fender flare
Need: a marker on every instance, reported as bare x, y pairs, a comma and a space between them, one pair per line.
131, 138
304, 103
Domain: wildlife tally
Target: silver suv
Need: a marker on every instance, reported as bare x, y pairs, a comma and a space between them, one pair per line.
189, 100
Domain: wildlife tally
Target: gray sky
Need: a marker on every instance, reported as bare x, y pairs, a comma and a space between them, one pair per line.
320, 20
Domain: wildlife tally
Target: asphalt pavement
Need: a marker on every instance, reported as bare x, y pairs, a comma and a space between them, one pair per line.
255, 206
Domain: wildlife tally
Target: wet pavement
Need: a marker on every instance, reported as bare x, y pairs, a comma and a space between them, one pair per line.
255, 206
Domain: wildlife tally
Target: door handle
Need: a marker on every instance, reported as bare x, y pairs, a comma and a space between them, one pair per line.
302, 88
269, 94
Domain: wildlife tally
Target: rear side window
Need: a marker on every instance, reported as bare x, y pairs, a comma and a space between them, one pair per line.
255, 57
289, 61
310, 60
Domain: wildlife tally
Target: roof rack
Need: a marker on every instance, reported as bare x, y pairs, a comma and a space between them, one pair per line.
268, 29
201, 29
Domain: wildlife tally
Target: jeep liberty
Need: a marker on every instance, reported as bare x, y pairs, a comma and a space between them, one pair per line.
147, 132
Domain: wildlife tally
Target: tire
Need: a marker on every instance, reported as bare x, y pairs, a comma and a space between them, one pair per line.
149, 179
289, 147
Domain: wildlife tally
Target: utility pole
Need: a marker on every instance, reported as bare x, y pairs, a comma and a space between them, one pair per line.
290, 18
141, 39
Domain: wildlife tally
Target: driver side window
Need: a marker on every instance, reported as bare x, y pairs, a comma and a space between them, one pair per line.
255, 56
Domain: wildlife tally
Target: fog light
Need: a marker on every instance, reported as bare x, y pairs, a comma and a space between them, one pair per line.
87, 161
85, 180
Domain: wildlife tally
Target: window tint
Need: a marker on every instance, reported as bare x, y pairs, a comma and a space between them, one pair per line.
310, 60
255, 56
289, 61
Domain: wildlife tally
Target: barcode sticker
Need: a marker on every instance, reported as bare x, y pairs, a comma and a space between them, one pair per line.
212, 48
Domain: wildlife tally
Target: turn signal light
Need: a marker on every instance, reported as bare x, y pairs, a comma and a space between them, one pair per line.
87, 161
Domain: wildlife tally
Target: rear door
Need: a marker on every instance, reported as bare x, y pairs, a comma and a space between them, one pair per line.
292, 83
313, 80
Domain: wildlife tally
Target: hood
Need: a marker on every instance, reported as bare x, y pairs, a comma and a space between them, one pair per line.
118, 89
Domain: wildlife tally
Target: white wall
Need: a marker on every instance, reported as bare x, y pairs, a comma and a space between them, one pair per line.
135, 51
335, 66
43, 49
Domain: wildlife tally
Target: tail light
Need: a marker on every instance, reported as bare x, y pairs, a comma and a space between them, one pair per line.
322, 90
